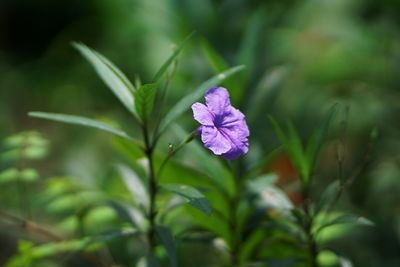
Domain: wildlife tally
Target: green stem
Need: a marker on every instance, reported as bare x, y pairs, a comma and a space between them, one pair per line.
149, 149
308, 227
173, 151
234, 202
153, 194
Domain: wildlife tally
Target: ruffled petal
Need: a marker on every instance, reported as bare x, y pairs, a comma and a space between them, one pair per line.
202, 114
237, 134
232, 117
217, 100
214, 140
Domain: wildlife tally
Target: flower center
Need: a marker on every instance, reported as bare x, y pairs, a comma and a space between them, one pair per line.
218, 121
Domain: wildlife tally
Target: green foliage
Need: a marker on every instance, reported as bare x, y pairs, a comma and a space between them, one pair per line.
82, 121
243, 211
111, 76
304, 158
144, 100
192, 195
29, 253
171, 59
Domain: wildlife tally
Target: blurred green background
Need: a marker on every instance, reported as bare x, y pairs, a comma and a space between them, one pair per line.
330, 51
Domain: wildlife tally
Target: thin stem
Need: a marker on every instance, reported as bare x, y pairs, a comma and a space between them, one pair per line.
234, 201
153, 194
308, 228
311, 243
173, 151
149, 149
29, 226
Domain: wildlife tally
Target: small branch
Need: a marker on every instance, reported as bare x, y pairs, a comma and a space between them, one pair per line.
173, 151
153, 194
29, 226
308, 227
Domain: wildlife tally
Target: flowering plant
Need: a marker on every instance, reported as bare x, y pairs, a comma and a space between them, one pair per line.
223, 128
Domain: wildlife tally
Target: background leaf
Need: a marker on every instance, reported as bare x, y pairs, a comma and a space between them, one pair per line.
144, 100
135, 185
168, 241
194, 196
171, 59
78, 120
111, 76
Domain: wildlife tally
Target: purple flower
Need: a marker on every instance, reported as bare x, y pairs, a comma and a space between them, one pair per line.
223, 128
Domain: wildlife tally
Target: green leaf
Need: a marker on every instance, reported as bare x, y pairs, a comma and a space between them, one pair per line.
77, 120
193, 196
279, 132
266, 90
328, 195
261, 182
13, 175
129, 213
135, 185
46, 250
315, 143
346, 219
9, 175
148, 261
111, 76
171, 59
185, 103
297, 153
219, 64
344, 262
247, 53
168, 241
216, 61
327, 258
144, 100
29, 175
292, 145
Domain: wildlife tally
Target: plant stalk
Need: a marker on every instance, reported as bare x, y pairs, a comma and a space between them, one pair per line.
308, 227
149, 149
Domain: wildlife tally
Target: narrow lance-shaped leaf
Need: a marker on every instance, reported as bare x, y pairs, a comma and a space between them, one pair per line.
185, 103
77, 120
293, 146
297, 153
111, 75
216, 61
328, 195
144, 100
168, 241
171, 59
218, 64
346, 219
315, 143
248, 49
266, 90
192, 195
69, 246
135, 185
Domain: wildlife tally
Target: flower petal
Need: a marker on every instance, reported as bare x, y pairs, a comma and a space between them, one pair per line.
233, 117
217, 100
237, 134
214, 140
202, 114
